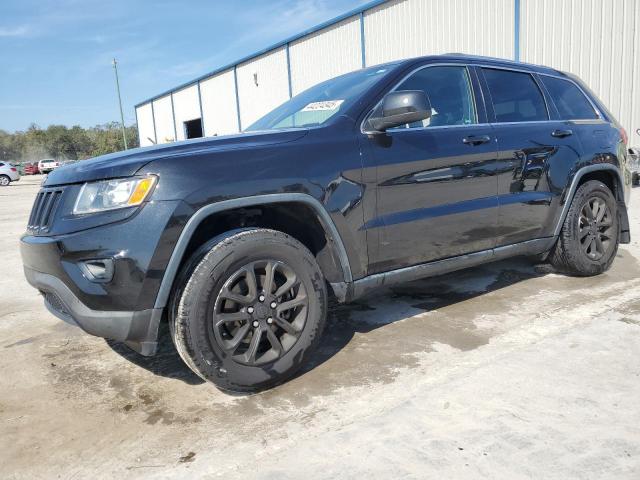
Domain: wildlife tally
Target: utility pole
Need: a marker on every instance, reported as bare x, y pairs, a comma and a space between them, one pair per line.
124, 132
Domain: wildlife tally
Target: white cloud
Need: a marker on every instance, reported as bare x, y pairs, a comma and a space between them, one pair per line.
20, 31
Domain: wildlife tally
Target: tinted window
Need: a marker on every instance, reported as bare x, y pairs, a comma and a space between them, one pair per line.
516, 96
570, 101
449, 90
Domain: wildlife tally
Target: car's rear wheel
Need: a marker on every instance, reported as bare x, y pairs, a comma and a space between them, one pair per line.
589, 238
249, 309
4, 180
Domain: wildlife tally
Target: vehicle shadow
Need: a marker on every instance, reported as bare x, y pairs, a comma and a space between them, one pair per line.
427, 295
165, 363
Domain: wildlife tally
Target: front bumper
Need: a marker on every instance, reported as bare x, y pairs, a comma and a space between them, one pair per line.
139, 330
122, 306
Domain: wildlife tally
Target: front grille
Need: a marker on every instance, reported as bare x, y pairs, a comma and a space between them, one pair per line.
43, 211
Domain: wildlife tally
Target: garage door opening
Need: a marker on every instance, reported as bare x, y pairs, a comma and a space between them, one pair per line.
193, 128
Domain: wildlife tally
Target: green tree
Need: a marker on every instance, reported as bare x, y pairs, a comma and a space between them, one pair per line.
63, 143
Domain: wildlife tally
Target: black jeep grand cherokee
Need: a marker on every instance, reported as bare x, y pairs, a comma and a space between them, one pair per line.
383, 175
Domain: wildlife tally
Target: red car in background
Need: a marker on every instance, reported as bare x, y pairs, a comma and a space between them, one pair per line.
30, 169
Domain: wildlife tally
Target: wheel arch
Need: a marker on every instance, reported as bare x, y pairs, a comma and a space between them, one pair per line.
333, 260
609, 175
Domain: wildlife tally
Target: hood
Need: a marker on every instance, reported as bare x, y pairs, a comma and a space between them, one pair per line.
128, 162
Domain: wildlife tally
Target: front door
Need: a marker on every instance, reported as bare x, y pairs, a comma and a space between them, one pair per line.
435, 184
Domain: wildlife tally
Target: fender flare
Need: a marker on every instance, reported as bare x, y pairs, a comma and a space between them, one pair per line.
574, 186
196, 219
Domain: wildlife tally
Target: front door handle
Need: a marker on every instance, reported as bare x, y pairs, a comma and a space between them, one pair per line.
476, 139
561, 133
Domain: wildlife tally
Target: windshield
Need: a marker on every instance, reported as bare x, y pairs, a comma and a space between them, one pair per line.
318, 104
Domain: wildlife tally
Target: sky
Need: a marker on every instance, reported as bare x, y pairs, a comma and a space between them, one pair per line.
55, 56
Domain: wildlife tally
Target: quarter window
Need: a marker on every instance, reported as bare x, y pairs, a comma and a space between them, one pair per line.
515, 96
449, 90
569, 100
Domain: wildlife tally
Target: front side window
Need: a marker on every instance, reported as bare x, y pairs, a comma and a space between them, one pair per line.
449, 90
569, 100
515, 96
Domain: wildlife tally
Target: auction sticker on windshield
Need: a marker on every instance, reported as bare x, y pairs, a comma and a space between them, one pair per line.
327, 105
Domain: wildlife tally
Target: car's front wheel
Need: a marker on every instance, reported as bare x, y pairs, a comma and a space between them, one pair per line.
249, 309
589, 238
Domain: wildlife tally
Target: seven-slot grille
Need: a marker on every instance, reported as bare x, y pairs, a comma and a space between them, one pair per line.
44, 210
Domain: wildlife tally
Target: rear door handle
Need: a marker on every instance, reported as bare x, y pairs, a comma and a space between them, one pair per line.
561, 133
476, 139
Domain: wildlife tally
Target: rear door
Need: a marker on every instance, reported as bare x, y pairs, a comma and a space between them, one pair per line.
535, 150
435, 183
579, 113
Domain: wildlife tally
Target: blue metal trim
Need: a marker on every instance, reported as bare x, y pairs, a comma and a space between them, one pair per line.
289, 72
362, 43
173, 114
516, 31
235, 83
201, 114
153, 118
315, 29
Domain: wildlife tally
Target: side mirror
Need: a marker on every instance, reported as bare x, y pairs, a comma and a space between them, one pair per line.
399, 108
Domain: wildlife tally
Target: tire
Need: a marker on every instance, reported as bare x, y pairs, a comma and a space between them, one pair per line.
223, 329
4, 181
578, 250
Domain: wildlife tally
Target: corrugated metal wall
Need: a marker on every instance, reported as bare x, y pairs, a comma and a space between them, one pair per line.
146, 130
163, 114
219, 104
410, 28
599, 40
337, 46
263, 84
187, 107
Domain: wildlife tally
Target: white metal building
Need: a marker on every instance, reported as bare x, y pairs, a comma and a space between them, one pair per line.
599, 40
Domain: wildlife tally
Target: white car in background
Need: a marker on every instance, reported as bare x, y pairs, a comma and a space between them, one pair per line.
47, 164
8, 173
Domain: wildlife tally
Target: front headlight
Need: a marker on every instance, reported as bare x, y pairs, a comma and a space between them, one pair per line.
113, 194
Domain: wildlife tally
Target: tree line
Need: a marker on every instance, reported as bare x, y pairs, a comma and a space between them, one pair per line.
64, 143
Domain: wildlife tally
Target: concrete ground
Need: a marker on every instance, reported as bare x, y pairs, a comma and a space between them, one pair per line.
504, 371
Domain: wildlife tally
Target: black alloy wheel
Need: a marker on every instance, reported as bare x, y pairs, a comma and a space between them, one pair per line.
249, 309
260, 312
588, 241
595, 224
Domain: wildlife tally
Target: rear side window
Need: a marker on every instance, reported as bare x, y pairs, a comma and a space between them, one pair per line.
516, 96
570, 101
